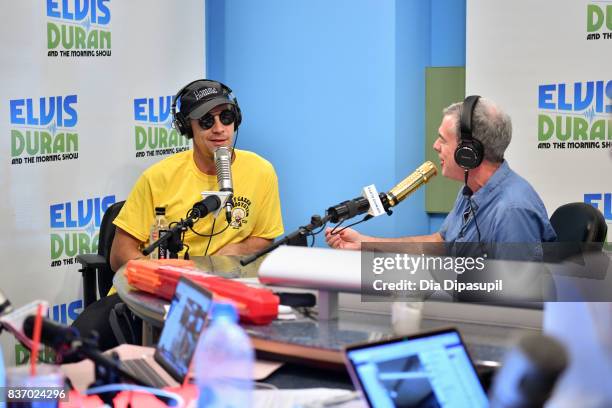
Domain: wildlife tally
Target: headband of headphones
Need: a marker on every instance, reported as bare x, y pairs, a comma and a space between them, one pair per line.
196, 99
470, 151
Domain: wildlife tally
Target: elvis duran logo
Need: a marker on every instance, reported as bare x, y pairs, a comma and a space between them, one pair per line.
74, 228
63, 313
599, 21
153, 131
603, 202
43, 129
575, 115
78, 28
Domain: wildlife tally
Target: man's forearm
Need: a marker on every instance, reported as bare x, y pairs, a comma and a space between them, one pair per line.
246, 247
124, 248
436, 237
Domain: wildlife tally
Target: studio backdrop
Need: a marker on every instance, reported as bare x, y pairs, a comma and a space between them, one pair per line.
85, 95
548, 63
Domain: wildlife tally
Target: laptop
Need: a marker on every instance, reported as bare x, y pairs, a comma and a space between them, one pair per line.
427, 370
186, 319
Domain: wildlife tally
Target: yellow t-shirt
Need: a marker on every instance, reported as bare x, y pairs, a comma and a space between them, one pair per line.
176, 183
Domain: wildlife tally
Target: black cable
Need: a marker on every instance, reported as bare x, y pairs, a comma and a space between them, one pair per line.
468, 193
333, 231
470, 203
209, 235
314, 233
212, 230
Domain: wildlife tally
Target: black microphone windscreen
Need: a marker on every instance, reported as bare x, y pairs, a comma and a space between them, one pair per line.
529, 373
207, 205
52, 334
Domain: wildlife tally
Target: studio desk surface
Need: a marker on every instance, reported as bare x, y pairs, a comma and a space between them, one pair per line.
311, 341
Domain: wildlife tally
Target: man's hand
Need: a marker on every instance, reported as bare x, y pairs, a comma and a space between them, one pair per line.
345, 239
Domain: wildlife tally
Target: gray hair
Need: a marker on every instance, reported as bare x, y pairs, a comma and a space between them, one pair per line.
490, 125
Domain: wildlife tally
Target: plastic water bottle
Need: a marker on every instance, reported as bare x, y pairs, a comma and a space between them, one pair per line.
2, 379
224, 361
159, 228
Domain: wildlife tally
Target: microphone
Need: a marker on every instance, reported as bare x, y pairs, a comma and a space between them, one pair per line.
529, 373
203, 208
223, 164
54, 335
360, 205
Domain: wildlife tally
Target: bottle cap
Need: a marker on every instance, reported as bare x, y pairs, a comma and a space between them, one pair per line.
160, 210
224, 310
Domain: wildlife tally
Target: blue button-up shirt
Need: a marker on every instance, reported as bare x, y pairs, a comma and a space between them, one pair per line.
509, 214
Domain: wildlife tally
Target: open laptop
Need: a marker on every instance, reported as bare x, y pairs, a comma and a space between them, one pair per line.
186, 319
427, 370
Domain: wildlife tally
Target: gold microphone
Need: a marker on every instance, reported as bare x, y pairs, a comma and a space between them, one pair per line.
420, 176
348, 209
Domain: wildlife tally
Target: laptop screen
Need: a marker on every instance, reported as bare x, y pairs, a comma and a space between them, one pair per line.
426, 370
184, 323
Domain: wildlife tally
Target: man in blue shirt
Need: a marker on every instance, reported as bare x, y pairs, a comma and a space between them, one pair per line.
504, 214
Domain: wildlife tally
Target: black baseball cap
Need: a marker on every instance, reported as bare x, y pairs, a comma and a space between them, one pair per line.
203, 95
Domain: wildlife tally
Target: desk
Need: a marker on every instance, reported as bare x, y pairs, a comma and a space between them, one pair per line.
317, 342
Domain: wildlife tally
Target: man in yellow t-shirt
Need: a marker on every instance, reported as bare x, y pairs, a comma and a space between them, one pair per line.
210, 115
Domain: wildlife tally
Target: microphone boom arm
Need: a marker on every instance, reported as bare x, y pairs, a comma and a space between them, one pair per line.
315, 222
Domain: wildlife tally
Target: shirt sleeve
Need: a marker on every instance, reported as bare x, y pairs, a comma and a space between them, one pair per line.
451, 217
137, 214
269, 223
517, 235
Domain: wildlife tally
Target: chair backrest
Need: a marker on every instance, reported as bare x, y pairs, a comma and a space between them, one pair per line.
105, 241
579, 223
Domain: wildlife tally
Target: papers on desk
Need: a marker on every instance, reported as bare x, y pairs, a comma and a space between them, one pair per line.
307, 398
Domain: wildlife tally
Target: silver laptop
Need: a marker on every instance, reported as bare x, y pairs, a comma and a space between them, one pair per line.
426, 370
186, 319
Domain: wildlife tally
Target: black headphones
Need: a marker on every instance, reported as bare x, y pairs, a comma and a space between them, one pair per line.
470, 151
183, 125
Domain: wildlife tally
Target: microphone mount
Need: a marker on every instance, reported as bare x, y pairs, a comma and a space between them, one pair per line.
172, 238
350, 208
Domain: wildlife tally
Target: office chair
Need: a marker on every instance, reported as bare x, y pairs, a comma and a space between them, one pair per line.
579, 227
95, 268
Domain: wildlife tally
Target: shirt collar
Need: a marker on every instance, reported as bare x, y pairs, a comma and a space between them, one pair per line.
485, 193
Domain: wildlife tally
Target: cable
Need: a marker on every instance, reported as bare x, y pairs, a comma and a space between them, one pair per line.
471, 207
468, 193
209, 235
333, 231
212, 230
313, 233
130, 387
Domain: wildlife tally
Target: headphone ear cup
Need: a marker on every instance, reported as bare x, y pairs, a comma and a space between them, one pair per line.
238, 115
469, 154
182, 125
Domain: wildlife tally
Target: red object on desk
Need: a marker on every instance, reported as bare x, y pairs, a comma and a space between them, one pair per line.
132, 399
255, 305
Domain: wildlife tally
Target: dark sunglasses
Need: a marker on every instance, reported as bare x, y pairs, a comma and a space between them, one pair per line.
227, 117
